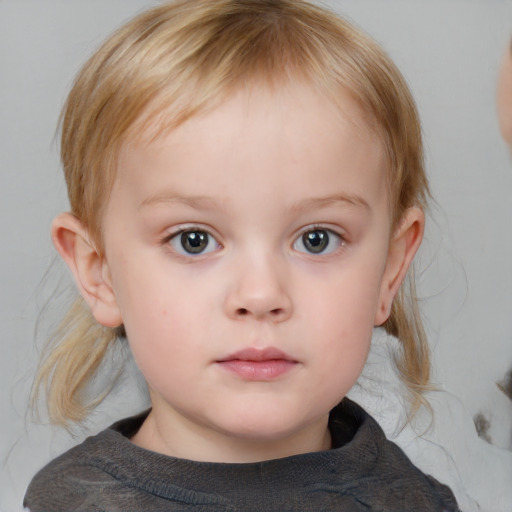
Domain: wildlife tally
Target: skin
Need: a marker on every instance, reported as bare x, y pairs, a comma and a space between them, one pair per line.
256, 173
505, 97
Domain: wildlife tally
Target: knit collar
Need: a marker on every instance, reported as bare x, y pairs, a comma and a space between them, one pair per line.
355, 438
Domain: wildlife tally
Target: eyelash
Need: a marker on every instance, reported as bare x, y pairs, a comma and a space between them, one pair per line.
327, 236
306, 237
177, 237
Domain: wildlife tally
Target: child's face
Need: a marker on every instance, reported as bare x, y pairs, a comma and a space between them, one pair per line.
247, 251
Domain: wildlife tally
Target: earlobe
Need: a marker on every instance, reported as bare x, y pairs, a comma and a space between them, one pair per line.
89, 268
402, 249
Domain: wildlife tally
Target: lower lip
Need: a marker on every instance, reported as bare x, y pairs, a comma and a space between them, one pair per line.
258, 370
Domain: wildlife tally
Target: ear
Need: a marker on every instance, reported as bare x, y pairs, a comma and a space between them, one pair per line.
90, 269
402, 249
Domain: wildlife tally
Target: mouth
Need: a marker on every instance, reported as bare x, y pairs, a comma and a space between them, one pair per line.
258, 364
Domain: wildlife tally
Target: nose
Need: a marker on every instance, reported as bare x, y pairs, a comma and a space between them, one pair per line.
259, 290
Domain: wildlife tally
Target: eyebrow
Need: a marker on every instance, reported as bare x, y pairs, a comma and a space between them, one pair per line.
319, 202
206, 203
197, 202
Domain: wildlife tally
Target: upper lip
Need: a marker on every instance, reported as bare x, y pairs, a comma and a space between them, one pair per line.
258, 354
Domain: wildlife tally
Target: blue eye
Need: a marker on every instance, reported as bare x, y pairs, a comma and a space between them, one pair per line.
193, 241
318, 241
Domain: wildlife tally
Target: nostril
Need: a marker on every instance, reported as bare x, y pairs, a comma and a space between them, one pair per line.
272, 313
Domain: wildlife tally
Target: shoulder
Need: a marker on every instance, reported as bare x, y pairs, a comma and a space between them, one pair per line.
387, 479
82, 478
69, 482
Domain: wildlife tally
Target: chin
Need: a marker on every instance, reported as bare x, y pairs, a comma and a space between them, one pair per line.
261, 428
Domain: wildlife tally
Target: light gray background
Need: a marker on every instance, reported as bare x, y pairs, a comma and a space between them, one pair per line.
448, 50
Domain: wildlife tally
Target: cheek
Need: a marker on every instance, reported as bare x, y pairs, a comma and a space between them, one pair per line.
342, 311
342, 315
353, 295
340, 354
162, 345
146, 292
347, 334
153, 316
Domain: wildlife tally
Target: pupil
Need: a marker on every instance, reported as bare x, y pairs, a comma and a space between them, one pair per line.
194, 241
315, 241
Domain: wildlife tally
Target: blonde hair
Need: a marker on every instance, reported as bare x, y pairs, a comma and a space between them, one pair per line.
177, 59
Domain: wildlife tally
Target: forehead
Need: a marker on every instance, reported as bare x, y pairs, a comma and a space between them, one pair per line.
284, 142
309, 109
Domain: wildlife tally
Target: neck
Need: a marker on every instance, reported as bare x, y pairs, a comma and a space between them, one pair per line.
175, 438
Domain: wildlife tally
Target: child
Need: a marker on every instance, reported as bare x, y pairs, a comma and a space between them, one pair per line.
247, 193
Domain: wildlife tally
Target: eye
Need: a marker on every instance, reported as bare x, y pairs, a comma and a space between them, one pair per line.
318, 241
193, 241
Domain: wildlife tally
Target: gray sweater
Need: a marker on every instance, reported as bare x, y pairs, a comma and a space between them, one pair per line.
364, 471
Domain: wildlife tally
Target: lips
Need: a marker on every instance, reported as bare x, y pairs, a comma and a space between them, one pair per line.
258, 364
